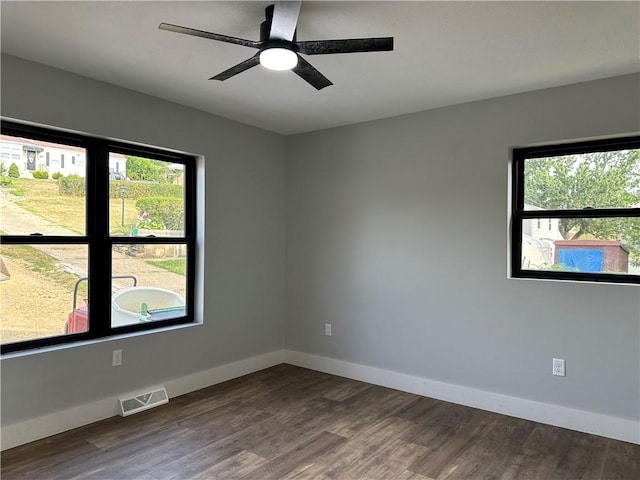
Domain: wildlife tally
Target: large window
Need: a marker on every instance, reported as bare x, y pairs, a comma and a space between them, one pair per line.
97, 246
576, 211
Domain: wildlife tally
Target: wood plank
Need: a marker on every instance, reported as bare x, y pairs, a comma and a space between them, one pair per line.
459, 429
233, 466
344, 388
409, 475
389, 462
194, 463
558, 453
35, 459
418, 408
584, 458
622, 462
493, 452
303, 454
307, 471
137, 459
359, 411
362, 449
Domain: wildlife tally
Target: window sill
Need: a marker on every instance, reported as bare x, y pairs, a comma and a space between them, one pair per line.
84, 343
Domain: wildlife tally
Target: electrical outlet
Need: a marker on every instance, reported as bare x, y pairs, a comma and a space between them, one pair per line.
558, 367
327, 329
117, 358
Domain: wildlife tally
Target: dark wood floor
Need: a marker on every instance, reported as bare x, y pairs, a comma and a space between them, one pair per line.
291, 423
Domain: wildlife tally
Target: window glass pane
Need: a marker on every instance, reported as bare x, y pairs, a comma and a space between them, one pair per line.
591, 180
37, 285
590, 245
39, 192
146, 197
159, 273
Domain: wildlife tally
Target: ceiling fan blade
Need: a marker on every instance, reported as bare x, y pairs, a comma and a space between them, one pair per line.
211, 36
239, 68
284, 21
353, 45
307, 72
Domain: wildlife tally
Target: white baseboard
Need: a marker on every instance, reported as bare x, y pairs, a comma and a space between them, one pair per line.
551, 414
579, 420
58, 422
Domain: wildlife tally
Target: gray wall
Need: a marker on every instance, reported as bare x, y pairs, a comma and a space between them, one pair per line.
397, 235
244, 273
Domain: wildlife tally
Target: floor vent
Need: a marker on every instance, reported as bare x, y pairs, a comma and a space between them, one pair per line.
143, 401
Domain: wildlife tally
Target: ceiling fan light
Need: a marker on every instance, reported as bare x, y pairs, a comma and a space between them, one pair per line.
278, 58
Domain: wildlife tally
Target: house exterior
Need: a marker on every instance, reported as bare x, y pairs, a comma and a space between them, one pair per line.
538, 241
30, 155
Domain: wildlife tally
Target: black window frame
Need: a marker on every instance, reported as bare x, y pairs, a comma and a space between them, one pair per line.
519, 214
97, 236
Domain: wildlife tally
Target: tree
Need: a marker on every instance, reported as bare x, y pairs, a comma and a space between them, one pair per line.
593, 180
139, 168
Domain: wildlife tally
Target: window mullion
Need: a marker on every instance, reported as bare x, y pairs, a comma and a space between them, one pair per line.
99, 241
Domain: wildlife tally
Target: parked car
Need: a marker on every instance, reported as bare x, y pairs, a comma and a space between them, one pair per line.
117, 176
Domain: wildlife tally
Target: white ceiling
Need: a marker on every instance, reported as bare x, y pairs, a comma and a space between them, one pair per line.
445, 53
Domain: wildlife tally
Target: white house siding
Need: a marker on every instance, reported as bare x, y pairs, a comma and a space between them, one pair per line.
53, 158
538, 246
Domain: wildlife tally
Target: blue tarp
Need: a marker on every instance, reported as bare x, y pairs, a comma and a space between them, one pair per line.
582, 260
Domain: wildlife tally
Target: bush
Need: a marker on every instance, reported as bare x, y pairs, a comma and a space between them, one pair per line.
40, 174
134, 190
57, 176
4, 180
137, 190
14, 171
72, 185
163, 212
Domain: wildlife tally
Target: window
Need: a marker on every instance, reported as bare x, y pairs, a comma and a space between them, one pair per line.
590, 194
87, 255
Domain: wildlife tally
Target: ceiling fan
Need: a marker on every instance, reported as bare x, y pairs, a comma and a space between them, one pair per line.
278, 48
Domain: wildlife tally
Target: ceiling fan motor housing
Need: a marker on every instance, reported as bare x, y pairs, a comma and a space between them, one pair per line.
265, 32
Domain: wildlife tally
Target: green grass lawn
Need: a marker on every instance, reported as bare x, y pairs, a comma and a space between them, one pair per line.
41, 198
174, 265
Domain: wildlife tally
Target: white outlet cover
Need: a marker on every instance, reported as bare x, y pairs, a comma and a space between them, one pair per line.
117, 358
558, 367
